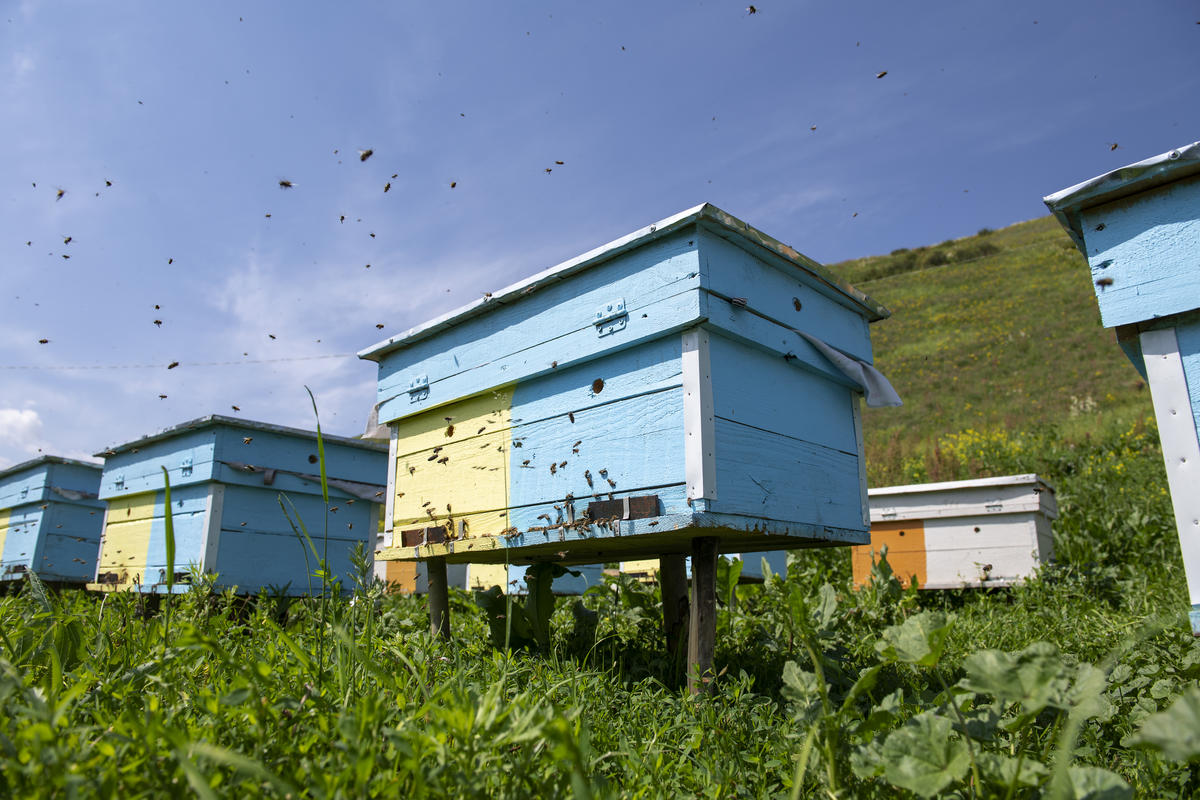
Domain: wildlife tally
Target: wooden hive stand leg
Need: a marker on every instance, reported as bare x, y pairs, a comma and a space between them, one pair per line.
439, 598
672, 582
703, 633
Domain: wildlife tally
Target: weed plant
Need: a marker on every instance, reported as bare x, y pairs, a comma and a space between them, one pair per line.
1081, 683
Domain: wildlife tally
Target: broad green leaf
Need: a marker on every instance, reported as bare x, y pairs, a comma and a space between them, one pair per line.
799, 685
867, 761
924, 756
826, 607
865, 683
1034, 677
1175, 731
1094, 783
919, 640
1001, 770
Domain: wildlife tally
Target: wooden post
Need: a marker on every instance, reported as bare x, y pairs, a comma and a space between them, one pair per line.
703, 633
439, 598
672, 583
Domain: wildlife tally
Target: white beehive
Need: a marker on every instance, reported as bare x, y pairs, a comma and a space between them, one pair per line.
978, 533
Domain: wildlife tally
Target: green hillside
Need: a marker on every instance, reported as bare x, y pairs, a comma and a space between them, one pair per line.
990, 335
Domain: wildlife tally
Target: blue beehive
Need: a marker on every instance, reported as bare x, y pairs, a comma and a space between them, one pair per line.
696, 378
1139, 227
50, 519
226, 479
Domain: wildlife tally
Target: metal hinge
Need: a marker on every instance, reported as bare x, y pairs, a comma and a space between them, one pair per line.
610, 317
418, 389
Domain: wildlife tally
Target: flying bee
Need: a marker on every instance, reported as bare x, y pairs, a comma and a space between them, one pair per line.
453, 184
65, 255
247, 439
379, 325
560, 163
363, 155
173, 365
1104, 283
548, 170
158, 323
285, 184
59, 195
271, 335
235, 408
162, 397
108, 183
43, 341
372, 235
553, 469
879, 75
170, 261
342, 219
750, 10
387, 187
68, 240
1113, 146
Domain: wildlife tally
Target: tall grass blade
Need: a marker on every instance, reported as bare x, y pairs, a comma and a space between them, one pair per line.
320, 447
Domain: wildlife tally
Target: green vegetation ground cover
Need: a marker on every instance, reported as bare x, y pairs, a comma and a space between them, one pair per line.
1081, 683
1002, 332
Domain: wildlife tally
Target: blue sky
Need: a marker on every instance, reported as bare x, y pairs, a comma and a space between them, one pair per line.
195, 112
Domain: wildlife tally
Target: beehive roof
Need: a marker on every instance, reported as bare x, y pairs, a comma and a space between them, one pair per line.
1170, 166
218, 419
37, 462
723, 224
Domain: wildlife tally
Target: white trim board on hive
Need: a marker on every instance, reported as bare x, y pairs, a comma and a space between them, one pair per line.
1180, 448
699, 425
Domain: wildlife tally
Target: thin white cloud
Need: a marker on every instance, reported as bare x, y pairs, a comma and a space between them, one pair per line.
20, 430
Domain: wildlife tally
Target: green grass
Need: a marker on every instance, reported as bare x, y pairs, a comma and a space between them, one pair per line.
240, 704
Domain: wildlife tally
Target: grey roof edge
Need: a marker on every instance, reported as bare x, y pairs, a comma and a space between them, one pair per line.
219, 419
37, 462
705, 211
1157, 170
975, 483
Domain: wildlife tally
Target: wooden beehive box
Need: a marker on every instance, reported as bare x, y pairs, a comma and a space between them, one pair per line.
226, 479
1139, 228
666, 386
50, 520
959, 534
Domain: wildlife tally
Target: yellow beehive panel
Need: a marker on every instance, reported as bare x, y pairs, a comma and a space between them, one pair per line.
474, 416
453, 464
905, 541
127, 536
485, 576
401, 576
5, 514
